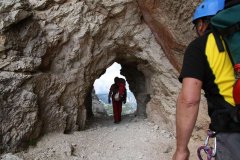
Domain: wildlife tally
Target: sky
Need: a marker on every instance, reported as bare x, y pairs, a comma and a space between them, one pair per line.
103, 84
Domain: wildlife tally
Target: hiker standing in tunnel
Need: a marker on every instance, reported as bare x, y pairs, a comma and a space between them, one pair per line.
118, 94
206, 67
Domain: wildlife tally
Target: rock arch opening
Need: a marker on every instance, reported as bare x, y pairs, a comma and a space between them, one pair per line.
50, 64
139, 84
100, 105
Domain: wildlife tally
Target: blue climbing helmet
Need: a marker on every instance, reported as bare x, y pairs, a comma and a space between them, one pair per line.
208, 8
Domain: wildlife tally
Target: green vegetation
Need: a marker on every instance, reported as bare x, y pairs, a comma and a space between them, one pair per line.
109, 109
126, 109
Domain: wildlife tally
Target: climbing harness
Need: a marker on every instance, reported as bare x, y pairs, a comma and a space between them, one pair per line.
210, 151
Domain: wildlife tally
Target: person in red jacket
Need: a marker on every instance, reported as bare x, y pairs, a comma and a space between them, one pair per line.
118, 94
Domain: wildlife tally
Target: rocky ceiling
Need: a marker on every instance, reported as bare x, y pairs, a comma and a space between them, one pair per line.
52, 51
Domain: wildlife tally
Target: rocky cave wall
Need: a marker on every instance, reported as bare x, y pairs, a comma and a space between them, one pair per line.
52, 51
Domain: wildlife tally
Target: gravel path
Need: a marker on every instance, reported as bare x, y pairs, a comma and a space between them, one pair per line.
135, 138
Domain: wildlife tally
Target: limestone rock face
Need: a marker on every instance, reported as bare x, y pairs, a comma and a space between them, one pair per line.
97, 107
13, 11
52, 51
9, 156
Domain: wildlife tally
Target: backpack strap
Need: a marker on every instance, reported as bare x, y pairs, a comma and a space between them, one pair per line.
218, 39
231, 3
219, 42
230, 30
229, 53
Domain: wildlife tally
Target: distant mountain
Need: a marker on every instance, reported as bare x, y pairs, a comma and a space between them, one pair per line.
130, 99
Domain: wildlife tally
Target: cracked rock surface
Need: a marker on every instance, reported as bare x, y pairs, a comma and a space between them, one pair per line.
52, 51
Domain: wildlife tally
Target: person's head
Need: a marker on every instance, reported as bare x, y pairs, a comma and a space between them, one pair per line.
204, 12
116, 79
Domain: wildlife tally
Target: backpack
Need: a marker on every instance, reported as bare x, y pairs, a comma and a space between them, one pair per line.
119, 91
226, 24
116, 95
226, 27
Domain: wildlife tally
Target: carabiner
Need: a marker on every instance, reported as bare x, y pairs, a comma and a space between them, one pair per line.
211, 134
210, 151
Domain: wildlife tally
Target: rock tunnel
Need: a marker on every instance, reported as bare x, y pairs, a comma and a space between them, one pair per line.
137, 84
51, 53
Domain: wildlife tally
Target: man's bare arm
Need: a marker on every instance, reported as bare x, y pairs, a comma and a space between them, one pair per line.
186, 115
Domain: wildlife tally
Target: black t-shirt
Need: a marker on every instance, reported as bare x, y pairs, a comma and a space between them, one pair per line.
203, 61
195, 65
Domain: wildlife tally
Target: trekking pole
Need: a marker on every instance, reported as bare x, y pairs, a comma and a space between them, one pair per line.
210, 151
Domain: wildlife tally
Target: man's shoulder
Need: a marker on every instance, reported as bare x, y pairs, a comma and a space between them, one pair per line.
198, 44
200, 40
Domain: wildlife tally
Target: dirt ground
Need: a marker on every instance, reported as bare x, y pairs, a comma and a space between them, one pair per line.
135, 138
